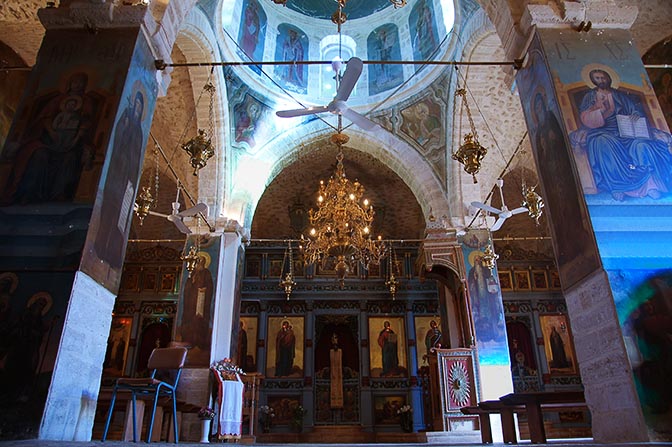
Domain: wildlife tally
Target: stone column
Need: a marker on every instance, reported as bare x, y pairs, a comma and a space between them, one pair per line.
208, 311
487, 310
85, 114
602, 149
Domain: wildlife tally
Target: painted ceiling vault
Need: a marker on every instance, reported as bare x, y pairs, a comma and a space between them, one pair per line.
413, 106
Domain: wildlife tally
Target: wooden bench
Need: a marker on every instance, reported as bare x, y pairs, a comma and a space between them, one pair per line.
535, 402
531, 404
484, 409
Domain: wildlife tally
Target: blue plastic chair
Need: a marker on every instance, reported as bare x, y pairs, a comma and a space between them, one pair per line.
161, 359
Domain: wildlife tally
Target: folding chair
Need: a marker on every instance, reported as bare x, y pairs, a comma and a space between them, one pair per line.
161, 359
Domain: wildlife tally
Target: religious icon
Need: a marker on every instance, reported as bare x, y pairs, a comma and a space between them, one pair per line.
428, 336
285, 347
387, 341
117, 346
558, 344
247, 343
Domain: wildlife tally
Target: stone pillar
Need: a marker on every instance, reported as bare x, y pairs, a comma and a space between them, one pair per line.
85, 114
487, 312
607, 188
208, 312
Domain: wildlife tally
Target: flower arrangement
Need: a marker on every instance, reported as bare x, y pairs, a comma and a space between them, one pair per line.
298, 412
227, 369
297, 417
206, 413
266, 410
266, 415
406, 418
405, 409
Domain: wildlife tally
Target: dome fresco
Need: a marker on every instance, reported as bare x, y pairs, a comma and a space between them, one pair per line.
299, 32
323, 9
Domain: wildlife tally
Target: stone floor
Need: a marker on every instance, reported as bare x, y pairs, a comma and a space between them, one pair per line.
551, 443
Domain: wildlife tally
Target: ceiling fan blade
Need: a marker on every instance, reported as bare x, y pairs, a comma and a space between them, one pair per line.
179, 224
359, 119
154, 213
349, 79
300, 112
485, 207
498, 224
194, 210
522, 209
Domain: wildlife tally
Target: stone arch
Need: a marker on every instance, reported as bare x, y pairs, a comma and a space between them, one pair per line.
391, 150
199, 42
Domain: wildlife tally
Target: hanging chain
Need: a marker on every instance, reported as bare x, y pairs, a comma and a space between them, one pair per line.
291, 262
156, 174
210, 88
463, 93
282, 268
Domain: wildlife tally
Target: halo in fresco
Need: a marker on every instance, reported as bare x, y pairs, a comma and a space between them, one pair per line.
206, 256
41, 295
473, 255
14, 280
585, 75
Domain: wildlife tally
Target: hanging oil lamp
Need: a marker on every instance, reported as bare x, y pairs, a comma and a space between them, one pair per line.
288, 283
200, 147
533, 202
489, 258
143, 203
470, 153
191, 259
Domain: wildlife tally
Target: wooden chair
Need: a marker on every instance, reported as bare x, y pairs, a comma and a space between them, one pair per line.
168, 360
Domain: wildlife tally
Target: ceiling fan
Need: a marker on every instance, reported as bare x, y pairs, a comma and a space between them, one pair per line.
338, 106
176, 216
502, 214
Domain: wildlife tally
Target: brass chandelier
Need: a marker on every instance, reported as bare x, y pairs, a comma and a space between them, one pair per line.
340, 228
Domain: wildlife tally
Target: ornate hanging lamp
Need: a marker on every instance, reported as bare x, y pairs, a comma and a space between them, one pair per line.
288, 282
144, 201
192, 257
340, 227
392, 283
200, 147
470, 153
533, 202
489, 259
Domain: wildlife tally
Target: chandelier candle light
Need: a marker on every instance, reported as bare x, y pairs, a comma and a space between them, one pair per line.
340, 228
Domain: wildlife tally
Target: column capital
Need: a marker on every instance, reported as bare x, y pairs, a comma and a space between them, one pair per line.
601, 14
92, 16
227, 225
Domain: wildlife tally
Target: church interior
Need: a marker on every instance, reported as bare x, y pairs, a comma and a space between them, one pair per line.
183, 173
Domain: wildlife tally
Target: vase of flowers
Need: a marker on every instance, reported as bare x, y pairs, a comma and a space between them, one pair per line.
266, 415
406, 418
296, 423
205, 414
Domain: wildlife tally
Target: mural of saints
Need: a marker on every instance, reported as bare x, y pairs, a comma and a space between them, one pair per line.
383, 44
49, 159
249, 121
252, 30
627, 157
422, 122
423, 30
292, 47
